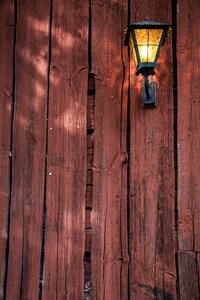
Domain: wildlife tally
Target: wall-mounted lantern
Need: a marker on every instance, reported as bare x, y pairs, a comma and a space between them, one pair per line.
145, 40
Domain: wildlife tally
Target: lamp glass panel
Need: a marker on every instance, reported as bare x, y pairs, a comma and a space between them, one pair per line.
132, 49
155, 36
141, 36
143, 52
152, 51
148, 41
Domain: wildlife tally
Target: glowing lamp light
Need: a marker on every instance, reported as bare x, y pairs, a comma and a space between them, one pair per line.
145, 40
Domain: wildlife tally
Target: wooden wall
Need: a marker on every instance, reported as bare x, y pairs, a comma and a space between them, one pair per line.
99, 198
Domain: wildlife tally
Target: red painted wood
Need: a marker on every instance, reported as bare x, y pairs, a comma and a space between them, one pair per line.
6, 75
188, 275
71, 172
67, 152
31, 61
188, 66
109, 222
152, 244
198, 267
188, 38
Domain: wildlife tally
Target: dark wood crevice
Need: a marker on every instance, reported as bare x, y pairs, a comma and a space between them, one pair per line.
128, 189
90, 157
89, 186
11, 146
175, 127
128, 147
42, 257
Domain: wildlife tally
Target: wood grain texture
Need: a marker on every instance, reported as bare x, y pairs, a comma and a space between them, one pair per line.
188, 275
67, 151
188, 39
70, 167
152, 245
109, 221
7, 27
29, 145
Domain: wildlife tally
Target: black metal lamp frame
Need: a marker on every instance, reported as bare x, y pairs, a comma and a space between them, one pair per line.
147, 69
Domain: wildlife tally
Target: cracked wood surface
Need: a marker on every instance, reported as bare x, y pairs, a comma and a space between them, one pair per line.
6, 99
188, 126
109, 221
152, 204
188, 39
29, 143
67, 141
63, 204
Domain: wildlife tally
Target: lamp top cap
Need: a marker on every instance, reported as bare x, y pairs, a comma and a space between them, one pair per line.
146, 25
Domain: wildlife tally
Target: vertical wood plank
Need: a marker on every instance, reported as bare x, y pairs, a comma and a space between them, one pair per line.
109, 212
198, 268
152, 245
7, 28
188, 275
188, 38
188, 67
31, 61
66, 167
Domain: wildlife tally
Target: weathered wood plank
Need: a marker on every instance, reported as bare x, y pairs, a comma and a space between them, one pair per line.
67, 152
188, 39
109, 214
188, 275
198, 269
152, 245
29, 145
7, 28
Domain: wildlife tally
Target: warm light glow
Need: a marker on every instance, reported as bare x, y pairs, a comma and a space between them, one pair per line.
148, 36
147, 53
147, 42
132, 48
144, 53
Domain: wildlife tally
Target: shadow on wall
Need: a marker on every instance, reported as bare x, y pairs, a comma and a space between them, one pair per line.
53, 114
49, 136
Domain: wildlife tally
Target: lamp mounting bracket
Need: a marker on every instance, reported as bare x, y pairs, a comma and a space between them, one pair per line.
148, 93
